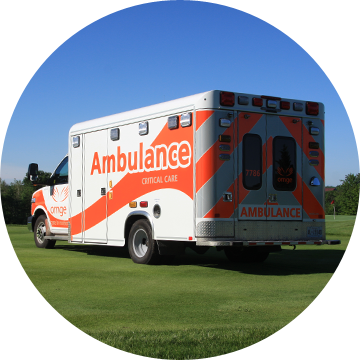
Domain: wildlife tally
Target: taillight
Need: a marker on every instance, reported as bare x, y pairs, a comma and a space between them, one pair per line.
225, 138
312, 108
143, 204
257, 101
314, 145
227, 98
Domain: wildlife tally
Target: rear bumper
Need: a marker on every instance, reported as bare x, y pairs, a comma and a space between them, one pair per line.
29, 223
232, 242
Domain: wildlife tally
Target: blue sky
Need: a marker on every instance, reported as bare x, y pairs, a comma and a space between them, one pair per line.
324, 4
161, 51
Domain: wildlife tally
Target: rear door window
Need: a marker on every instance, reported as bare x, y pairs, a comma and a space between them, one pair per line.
252, 162
284, 163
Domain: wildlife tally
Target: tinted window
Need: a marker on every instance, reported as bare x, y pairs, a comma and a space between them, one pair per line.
252, 161
284, 163
61, 173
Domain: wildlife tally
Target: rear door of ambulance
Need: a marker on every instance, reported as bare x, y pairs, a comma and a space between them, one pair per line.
269, 167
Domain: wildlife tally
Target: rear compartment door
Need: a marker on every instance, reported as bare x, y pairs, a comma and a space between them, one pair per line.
269, 167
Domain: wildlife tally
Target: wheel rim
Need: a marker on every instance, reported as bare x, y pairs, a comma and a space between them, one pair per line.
40, 232
140, 243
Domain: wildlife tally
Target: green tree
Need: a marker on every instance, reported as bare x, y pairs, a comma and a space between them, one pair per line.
329, 198
348, 196
346, 4
16, 198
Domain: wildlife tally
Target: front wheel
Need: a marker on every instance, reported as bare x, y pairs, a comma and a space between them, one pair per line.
40, 232
142, 248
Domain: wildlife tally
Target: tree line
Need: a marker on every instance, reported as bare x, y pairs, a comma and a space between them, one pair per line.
16, 198
345, 197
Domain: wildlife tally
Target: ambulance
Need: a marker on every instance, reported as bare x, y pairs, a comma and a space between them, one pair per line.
240, 172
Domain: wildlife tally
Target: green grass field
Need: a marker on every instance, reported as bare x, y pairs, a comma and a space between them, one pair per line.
198, 306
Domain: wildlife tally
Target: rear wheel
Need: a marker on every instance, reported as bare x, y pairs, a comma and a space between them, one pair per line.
245, 255
40, 232
142, 248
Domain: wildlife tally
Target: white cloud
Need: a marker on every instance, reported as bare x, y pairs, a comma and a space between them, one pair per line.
324, 4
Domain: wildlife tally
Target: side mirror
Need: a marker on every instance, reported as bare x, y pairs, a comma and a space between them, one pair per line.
33, 172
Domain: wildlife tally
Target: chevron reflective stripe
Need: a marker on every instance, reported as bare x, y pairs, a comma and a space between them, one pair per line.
215, 177
202, 116
214, 165
221, 208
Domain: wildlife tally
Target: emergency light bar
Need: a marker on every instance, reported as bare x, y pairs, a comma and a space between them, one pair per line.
115, 134
173, 122
76, 141
243, 100
257, 101
312, 108
185, 119
227, 98
285, 105
298, 106
143, 128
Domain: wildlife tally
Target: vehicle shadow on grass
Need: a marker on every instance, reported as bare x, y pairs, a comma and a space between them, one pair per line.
96, 250
285, 262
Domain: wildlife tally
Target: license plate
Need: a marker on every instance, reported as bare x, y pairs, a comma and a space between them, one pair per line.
314, 231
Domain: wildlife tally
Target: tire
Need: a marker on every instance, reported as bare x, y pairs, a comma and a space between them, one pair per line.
245, 255
142, 248
40, 232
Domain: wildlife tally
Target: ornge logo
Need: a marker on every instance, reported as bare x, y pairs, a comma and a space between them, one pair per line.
60, 196
160, 157
284, 175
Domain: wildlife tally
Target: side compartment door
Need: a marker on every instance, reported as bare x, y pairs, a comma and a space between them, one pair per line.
95, 187
76, 187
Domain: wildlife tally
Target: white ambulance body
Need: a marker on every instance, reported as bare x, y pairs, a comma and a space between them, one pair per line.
238, 171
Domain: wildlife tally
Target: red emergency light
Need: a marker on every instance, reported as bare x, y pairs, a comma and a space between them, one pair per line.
227, 98
312, 108
257, 101
285, 105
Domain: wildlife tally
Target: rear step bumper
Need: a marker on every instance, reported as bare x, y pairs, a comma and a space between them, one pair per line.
231, 242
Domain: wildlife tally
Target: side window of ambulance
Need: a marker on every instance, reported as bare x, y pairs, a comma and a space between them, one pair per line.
61, 173
252, 162
284, 163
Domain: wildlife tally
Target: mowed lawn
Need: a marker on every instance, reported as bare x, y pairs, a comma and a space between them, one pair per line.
196, 307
